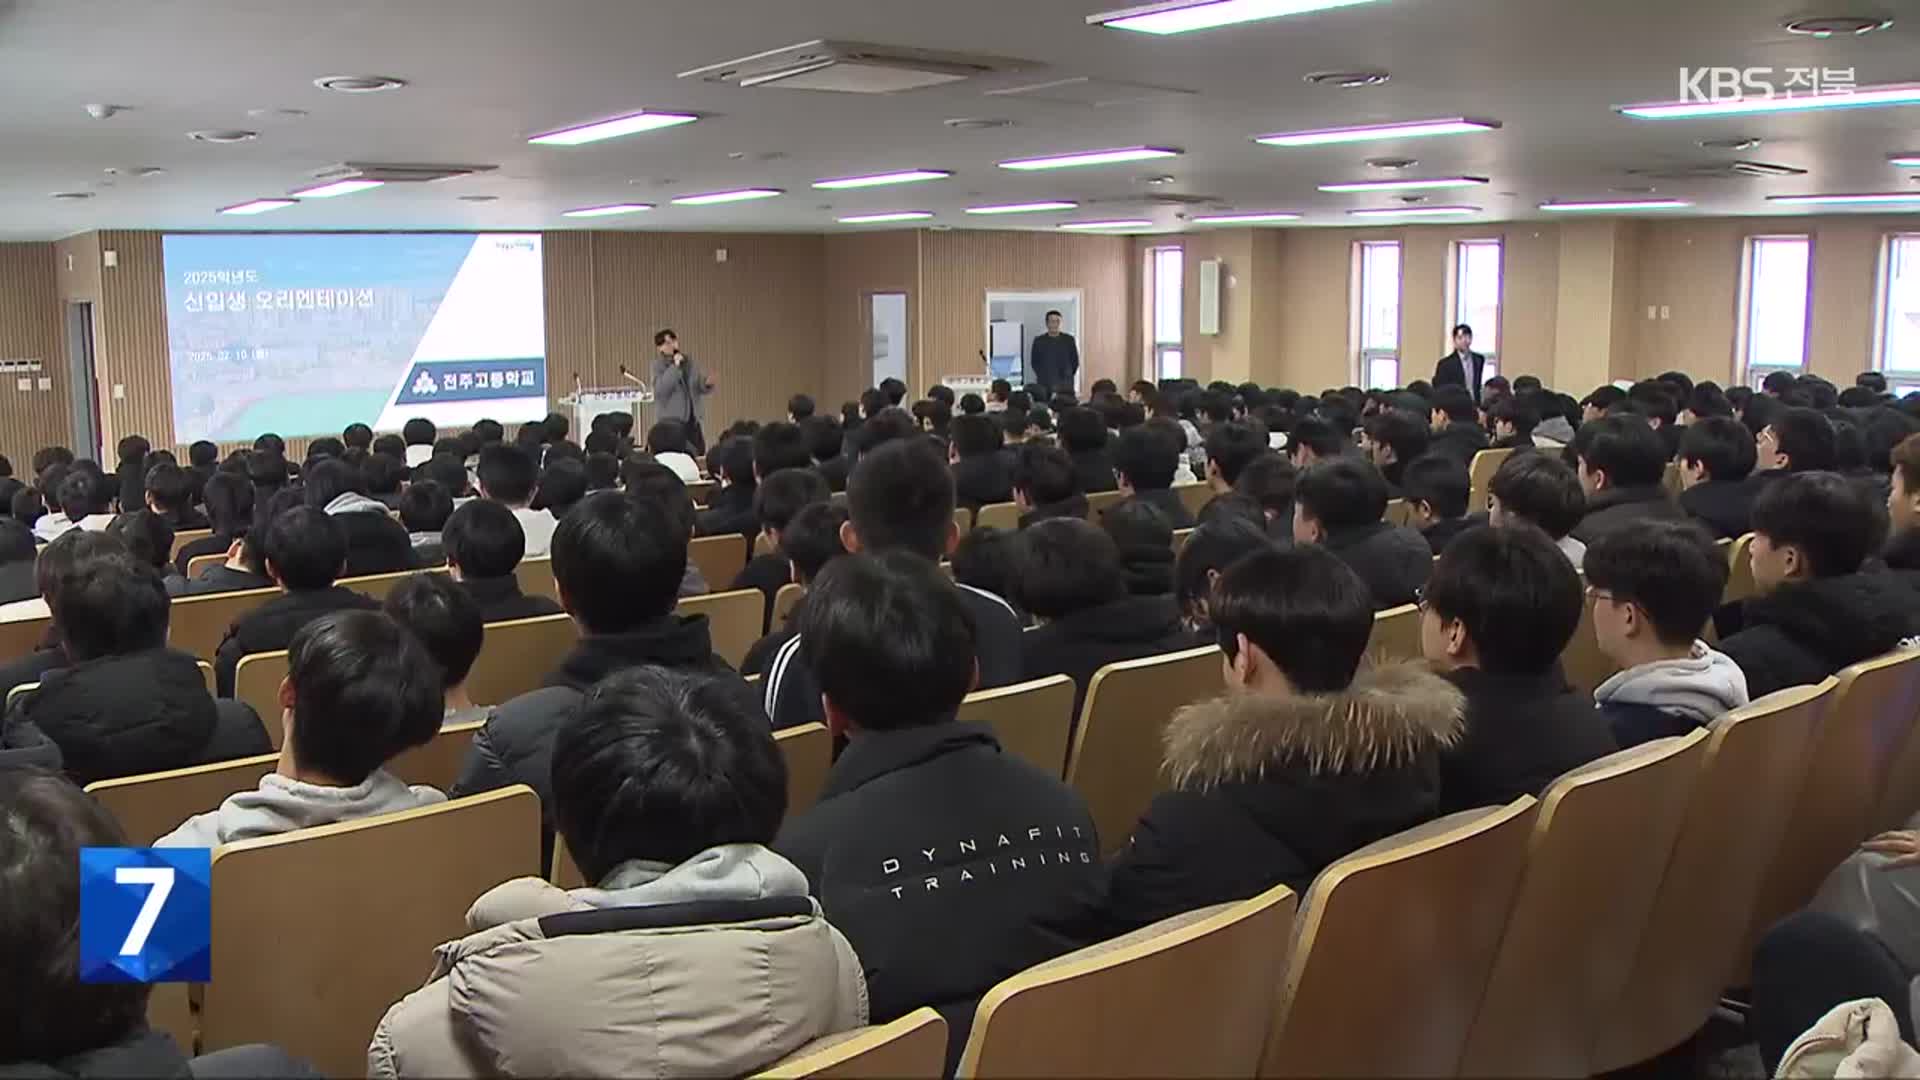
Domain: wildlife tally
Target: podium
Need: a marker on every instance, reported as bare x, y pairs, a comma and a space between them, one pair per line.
589, 403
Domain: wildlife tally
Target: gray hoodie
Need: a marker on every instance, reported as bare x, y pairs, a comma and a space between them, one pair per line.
1697, 689
280, 805
352, 502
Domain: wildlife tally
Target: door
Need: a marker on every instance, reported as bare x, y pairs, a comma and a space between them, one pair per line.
83, 394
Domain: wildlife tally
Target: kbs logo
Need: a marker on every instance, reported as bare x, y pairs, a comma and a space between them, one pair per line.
1737, 84
145, 915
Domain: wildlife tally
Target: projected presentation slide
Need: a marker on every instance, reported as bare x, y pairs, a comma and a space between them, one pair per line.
305, 333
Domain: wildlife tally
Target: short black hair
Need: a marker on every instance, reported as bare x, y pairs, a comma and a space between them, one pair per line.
1147, 457
667, 437
169, 488
305, 548
824, 437
1068, 565
562, 484
48, 456
328, 479
657, 765
1457, 403
603, 471
1604, 398
450, 471
1514, 591
1342, 492
811, 539
444, 617
357, 435
1045, 473
1708, 400
972, 404
800, 406
16, 541
82, 493
732, 460
1407, 434
660, 336
1653, 400
229, 502
784, 494
1082, 429
268, 471
888, 425
392, 446
618, 561
555, 426
976, 435
1211, 548
937, 413
889, 640
110, 605
419, 431
1521, 412
425, 507
1269, 480
1303, 606
326, 446
1806, 437
1319, 436
507, 473
1624, 447
202, 454
1231, 446
484, 539
901, 496
148, 536
1440, 481
1722, 444
1823, 514
1872, 380
1670, 569
989, 559
1542, 490
646, 479
364, 689
383, 475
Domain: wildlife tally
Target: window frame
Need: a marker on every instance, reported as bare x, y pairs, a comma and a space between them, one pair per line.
1160, 349
1365, 357
1891, 245
1751, 246
1456, 297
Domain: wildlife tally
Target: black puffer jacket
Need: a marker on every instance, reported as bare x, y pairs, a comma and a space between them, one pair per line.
1804, 631
124, 715
1625, 506
1393, 560
1080, 644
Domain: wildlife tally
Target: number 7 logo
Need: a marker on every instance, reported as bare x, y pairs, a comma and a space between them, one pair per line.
145, 914
161, 879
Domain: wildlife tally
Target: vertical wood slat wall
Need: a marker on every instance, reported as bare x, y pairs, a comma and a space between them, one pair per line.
31, 329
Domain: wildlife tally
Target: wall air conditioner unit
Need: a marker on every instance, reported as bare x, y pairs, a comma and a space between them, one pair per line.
1210, 281
388, 173
852, 67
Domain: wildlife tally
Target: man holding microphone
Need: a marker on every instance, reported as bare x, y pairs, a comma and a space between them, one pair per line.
678, 387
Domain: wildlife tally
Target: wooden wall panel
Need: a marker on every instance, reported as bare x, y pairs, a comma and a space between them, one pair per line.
31, 329
858, 265
130, 350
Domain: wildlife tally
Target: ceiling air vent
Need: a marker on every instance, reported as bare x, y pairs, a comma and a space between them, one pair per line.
852, 67
1157, 198
397, 174
1731, 170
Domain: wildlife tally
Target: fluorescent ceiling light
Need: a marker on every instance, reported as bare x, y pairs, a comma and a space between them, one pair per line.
1414, 129
612, 129
713, 197
1243, 219
1022, 208
1136, 223
258, 206
1090, 157
876, 219
607, 211
1184, 16
1866, 97
1415, 211
882, 179
1618, 204
1905, 161
1406, 185
338, 187
1868, 199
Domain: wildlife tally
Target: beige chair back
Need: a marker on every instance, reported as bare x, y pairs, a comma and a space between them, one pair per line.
1032, 720
1393, 946
22, 636
1600, 845
1109, 1009
997, 516
197, 624
808, 751
378, 586
1396, 635
1480, 477
536, 578
1195, 496
561, 869
371, 898
16, 693
256, 681
1180, 538
1699, 916
436, 762
962, 520
1670, 480
784, 602
1897, 739
517, 656
1398, 512
182, 539
762, 544
913, 1047
720, 558
151, 805
1115, 760
701, 490
206, 675
1740, 583
1098, 501
201, 562
733, 619
1585, 665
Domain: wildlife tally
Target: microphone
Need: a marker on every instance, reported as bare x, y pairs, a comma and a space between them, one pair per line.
631, 377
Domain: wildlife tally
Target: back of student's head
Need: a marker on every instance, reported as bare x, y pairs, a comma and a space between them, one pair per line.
901, 496
1670, 570
1082, 430
81, 494
1514, 594
447, 470
732, 460
507, 473
484, 539
168, 487
304, 548
1403, 432
110, 605
824, 437
646, 479
562, 484
1147, 457
444, 618
667, 437
603, 471
1722, 445
1301, 606
1210, 549
889, 640
1624, 448
268, 472
1541, 491
48, 456
148, 537
425, 507
1440, 481
975, 435
1456, 404
1137, 526
784, 493
1520, 413
889, 425
1068, 565
1319, 436
1341, 493
419, 431
1232, 446
618, 561
989, 559
1269, 480
363, 689
780, 445
16, 541
657, 765
1824, 516
382, 474
812, 539
328, 479
1045, 473
1805, 437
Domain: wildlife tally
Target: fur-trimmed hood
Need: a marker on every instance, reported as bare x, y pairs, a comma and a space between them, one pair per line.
1389, 716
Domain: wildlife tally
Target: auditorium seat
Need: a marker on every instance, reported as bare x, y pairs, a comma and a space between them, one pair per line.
1032, 720
518, 655
1396, 635
22, 636
700, 491
962, 520
1098, 501
256, 681
378, 586
733, 618
1599, 847
202, 562
1397, 512
154, 804
1586, 667
1740, 583
998, 516
182, 539
197, 624
436, 762
1190, 996
1393, 947
536, 578
784, 602
1116, 755
913, 1047
808, 751
762, 545
720, 558
1195, 496
1480, 477
1180, 538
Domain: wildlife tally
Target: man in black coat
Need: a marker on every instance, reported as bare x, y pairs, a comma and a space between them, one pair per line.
303, 549
1144, 462
1622, 463
1046, 485
1462, 367
1056, 356
1716, 458
982, 474
1338, 504
484, 543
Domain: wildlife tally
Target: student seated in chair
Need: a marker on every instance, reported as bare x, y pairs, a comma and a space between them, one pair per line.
1499, 610
730, 506
1229, 449
1539, 491
507, 476
1144, 535
667, 443
1437, 488
1214, 546
1144, 460
948, 863
1654, 587
302, 550
1311, 754
982, 474
170, 493
775, 501
484, 545
1819, 608
1340, 505
1455, 421
1046, 485
229, 502
1392, 439
359, 690
643, 479
1622, 464
1083, 435
150, 540
810, 541
1717, 457
1903, 506
376, 543
694, 951
425, 507
446, 620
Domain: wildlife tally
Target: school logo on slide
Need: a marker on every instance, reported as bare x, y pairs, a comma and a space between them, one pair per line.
146, 915
474, 380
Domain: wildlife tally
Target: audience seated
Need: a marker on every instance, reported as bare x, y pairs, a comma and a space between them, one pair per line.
563, 482
446, 621
643, 479
1455, 421
1539, 491
149, 540
1268, 480
988, 560
667, 443
17, 554
809, 542
1229, 448
949, 864
775, 500
826, 442
484, 544
1513, 420
383, 476
229, 504
420, 435
1499, 610
170, 493
1392, 439
730, 506
1308, 756
1654, 588
982, 474
376, 543
1144, 536
424, 508
507, 476
245, 565
1903, 506
1795, 440
1046, 485
1083, 435
1144, 460
1716, 457
303, 550
1437, 488
1339, 503
1213, 546
1621, 463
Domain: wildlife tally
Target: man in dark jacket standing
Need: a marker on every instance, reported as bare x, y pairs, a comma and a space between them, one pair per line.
303, 550
1622, 464
1056, 357
1462, 367
949, 864
1339, 504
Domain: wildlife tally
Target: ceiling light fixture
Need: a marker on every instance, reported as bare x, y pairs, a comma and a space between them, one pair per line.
1738, 143
358, 84
1826, 26
609, 210
1415, 129
1414, 211
1865, 97
1244, 219
1090, 157
1392, 164
976, 123
258, 206
1617, 204
908, 176
1434, 184
879, 219
712, 198
1878, 198
1905, 161
1131, 223
1023, 208
479, 198
72, 196
223, 135
1186, 16
1348, 80
599, 130
337, 187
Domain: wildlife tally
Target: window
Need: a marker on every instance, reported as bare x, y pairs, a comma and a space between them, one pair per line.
1773, 323
1378, 312
1169, 358
1476, 297
1900, 313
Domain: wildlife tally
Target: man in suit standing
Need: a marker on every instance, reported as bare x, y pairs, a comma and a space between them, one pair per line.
678, 386
1056, 356
1462, 366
